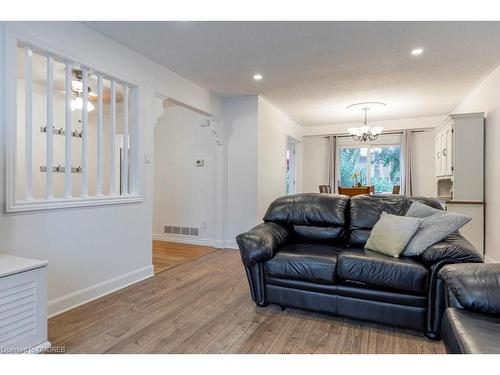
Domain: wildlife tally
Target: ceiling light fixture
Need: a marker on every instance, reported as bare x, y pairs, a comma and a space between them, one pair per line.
365, 133
77, 104
257, 77
417, 51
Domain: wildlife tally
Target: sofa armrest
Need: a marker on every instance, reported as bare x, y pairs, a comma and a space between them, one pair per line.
452, 249
261, 242
475, 286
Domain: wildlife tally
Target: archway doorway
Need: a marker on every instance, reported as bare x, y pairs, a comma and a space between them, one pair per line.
185, 175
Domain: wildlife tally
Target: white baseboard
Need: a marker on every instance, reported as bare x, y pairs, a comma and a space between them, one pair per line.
488, 259
189, 240
219, 244
70, 301
230, 245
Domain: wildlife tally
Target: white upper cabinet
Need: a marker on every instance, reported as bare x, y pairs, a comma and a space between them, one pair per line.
459, 156
444, 150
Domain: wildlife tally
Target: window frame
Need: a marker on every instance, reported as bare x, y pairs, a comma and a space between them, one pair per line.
384, 140
9, 105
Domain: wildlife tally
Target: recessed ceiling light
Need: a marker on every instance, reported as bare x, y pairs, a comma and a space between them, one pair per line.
257, 77
417, 51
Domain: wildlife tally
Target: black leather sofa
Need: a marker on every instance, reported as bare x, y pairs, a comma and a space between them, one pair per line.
471, 323
309, 254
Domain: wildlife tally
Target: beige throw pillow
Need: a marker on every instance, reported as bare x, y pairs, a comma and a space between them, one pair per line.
392, 233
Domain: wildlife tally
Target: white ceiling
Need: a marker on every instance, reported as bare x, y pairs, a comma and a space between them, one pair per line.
313, 70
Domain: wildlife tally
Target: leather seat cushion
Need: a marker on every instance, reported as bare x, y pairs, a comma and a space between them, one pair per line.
470, 333
308, 262
375, 269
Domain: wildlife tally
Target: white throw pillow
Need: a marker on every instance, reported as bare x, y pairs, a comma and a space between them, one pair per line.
391, 234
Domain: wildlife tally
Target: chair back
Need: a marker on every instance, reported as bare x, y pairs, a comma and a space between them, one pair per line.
327, 189
396, 189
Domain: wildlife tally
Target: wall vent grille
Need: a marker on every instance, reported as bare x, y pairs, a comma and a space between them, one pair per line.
181, 231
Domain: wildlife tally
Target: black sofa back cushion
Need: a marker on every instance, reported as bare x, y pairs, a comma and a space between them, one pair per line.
313, 216
365, 210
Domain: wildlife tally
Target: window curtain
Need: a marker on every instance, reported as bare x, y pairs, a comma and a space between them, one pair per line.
332, 154
406, 162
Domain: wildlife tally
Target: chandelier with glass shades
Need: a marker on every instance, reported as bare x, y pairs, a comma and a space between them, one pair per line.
365, 133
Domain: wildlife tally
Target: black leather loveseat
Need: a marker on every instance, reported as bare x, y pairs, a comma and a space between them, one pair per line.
471, 323
309, 254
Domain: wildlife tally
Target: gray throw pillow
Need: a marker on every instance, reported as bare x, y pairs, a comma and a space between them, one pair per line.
435, 226
392, 233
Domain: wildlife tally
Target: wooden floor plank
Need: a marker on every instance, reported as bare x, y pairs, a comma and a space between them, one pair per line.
204, 306
169, 254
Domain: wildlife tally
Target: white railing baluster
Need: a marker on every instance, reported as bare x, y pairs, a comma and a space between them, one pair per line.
112, 147
28, 109
67, 129
100, 125
125, 141
85, 119
50, 126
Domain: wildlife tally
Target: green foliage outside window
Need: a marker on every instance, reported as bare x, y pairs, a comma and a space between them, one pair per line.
384, 166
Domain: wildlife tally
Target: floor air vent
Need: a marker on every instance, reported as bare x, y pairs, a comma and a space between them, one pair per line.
182, 231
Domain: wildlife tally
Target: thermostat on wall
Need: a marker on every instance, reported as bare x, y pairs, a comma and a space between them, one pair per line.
200, 163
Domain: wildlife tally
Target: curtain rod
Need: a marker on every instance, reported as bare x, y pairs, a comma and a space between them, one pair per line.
344, 135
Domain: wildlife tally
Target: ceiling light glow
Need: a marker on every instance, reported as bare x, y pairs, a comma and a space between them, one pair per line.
257, 77
417, 51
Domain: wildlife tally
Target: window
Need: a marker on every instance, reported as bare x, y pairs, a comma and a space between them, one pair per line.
75, 133
385, 169
374, 164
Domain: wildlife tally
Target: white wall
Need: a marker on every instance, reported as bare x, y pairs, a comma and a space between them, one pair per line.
315, 163
486, 98
424, 181
240, 119
94, 250
183, 192
273, 128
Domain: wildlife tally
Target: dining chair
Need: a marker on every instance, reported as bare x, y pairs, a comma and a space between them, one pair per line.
327, 189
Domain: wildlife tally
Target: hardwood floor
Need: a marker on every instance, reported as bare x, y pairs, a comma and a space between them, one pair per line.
204, 306
169, 254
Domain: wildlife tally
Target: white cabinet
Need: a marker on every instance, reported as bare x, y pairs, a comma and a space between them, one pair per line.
23, 305
448, 150
459, 157
444, 150
459, 169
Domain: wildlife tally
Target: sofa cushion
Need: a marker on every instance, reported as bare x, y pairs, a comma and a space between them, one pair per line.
465, 332
306, 233
365, 210
375, 269
314, 209
308, 262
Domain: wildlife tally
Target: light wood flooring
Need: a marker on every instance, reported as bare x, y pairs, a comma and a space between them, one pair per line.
169, 254
204, 306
